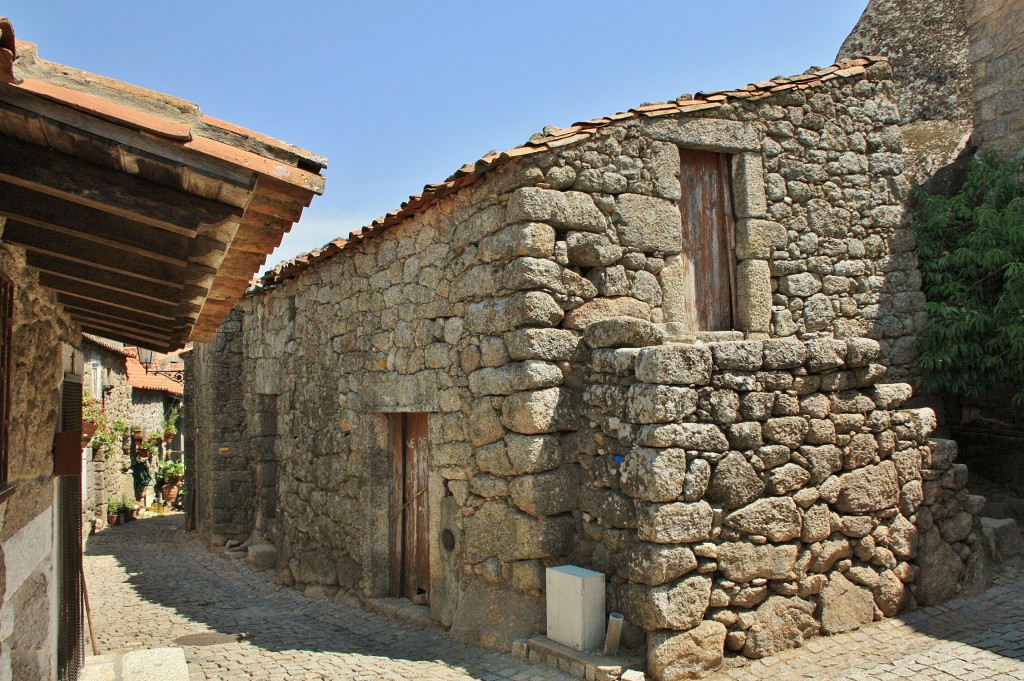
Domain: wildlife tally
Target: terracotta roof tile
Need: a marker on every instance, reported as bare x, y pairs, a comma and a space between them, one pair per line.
105, 344
139, 379
551, 138
268, 180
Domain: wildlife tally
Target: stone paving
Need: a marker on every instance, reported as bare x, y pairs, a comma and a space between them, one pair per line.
149, 583
968, 638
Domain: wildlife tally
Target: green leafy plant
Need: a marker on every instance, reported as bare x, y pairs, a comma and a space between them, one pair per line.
171, 422
169, 470
127, 503
107, 436
113, 505
150, 447
971, 249
92, 409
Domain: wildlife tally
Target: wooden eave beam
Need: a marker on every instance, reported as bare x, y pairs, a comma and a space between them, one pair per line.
64, 218
65, 177
162, 323
116, 281
99, 294
78, 249
29, 105
125, 334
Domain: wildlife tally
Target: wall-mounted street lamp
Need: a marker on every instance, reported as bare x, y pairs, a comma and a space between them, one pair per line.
146, 360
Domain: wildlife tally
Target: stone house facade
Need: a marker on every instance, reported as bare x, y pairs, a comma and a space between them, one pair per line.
40, 335
113, 376
106, 379
153, 395
670, 345
958, 67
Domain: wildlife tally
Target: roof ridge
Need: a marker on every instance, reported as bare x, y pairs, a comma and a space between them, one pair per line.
552, 137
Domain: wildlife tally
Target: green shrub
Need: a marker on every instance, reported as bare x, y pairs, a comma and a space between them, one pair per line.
971, 249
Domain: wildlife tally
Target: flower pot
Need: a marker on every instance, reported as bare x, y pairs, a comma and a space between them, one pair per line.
168, 436
121, 518
170, 492
111, 519
88, 430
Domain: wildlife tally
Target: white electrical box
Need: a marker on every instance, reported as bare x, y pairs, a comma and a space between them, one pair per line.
575, 603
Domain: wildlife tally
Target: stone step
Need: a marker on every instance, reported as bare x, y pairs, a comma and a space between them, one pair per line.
587, 666
150, 664
1003, 535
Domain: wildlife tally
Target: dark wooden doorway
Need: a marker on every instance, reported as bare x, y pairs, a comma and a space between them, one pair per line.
410, 548
708, 227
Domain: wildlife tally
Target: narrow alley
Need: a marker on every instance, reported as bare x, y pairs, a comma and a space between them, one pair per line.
149, 584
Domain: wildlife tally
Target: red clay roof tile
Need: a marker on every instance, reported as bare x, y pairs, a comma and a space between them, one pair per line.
140, 380
552, 137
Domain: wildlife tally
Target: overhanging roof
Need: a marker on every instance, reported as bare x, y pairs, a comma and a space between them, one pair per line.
148, 218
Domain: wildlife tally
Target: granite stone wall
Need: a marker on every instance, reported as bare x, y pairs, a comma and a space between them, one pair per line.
755, 493
217, 471
996, 29
104, 476
718, 479
27, 580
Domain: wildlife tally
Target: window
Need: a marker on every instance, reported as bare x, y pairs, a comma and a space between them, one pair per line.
96, 379
6, 324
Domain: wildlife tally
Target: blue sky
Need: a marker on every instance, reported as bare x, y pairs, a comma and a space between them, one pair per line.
398, 94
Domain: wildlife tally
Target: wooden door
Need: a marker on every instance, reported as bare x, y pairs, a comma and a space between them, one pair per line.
410, 548
708, 238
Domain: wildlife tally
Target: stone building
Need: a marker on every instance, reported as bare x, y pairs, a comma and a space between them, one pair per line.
129, 394
153, 395
670, 345
105, 379
126, 213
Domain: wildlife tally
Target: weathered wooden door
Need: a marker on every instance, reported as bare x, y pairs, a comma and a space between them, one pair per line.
410, 549
708, 237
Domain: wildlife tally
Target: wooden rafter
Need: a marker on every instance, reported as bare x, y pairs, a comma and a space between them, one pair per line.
59, 175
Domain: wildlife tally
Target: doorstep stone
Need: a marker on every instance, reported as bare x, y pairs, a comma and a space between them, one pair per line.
582, 665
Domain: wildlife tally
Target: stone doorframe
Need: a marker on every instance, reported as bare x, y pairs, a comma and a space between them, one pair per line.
756, 234
382, 395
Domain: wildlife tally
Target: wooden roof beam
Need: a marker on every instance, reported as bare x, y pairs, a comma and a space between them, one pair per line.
68, 247
125, 334
88, 273
99, 294
160, 323
62, 176
26, 205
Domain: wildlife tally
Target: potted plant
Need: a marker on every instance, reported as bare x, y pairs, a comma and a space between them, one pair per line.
171, 472
137, 434
127, 507
93, 417
151, 445
106, 437
113, 508
171, 425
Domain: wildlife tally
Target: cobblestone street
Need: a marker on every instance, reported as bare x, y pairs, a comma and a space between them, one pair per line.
981, 637
149, 584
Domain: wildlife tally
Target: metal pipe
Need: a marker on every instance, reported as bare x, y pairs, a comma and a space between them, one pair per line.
611, 639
